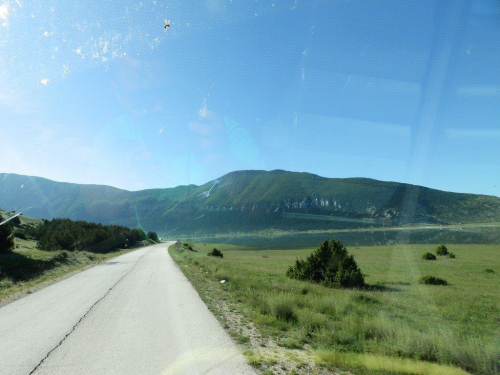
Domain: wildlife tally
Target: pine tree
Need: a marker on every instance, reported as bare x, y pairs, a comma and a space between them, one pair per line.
6, 239
330, 265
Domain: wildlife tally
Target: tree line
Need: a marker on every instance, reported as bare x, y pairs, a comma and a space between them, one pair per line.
66, 234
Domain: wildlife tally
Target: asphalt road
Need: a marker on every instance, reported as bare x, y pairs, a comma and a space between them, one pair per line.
136, 314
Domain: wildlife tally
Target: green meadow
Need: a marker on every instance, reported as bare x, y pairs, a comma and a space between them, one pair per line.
394, 326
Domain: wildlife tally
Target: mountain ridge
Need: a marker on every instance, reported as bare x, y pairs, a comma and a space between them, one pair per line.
249, 200
2, 174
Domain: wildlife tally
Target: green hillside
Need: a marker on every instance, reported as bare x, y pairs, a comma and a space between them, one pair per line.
248, 201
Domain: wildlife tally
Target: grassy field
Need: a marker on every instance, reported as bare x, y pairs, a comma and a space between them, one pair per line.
27, 267
396, 326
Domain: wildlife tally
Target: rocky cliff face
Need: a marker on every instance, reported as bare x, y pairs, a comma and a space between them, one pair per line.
326, 206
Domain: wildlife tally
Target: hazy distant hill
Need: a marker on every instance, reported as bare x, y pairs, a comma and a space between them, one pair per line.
248, 201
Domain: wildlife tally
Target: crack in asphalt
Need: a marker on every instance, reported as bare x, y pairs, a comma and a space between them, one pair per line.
84, 315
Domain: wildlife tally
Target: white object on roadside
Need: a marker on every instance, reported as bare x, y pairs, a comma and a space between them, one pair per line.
223, 281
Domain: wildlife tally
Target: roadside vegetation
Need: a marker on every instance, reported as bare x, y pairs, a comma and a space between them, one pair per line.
26, 268
394, 325
6, 236
59, 234
35, 252
153, 236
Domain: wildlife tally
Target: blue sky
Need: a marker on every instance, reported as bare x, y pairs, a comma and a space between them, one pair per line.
99, 92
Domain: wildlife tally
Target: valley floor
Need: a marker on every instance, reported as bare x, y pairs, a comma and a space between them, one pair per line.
406, 227
396, 326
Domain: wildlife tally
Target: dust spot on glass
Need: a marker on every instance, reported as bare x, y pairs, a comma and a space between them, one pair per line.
203, 110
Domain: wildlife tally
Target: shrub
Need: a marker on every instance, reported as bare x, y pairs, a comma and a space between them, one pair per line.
283, 310
442, 250
261, 304
19, 234
16, 221
63, 255
429, 256
451, 255
432, 280
489, 270
6, 240
216, 253
153, 236
366, 299
330, 265
140, 234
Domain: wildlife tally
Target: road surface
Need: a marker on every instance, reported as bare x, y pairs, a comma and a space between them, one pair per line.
136, 314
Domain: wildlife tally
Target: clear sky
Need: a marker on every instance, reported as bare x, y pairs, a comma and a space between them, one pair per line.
99, 92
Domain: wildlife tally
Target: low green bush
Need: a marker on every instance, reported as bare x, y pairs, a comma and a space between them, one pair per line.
489, 270
283, 310
363, 298
330, 265
451, 255
62, 256
216, 253
442, 250
19, 234
432, 280
428, 256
